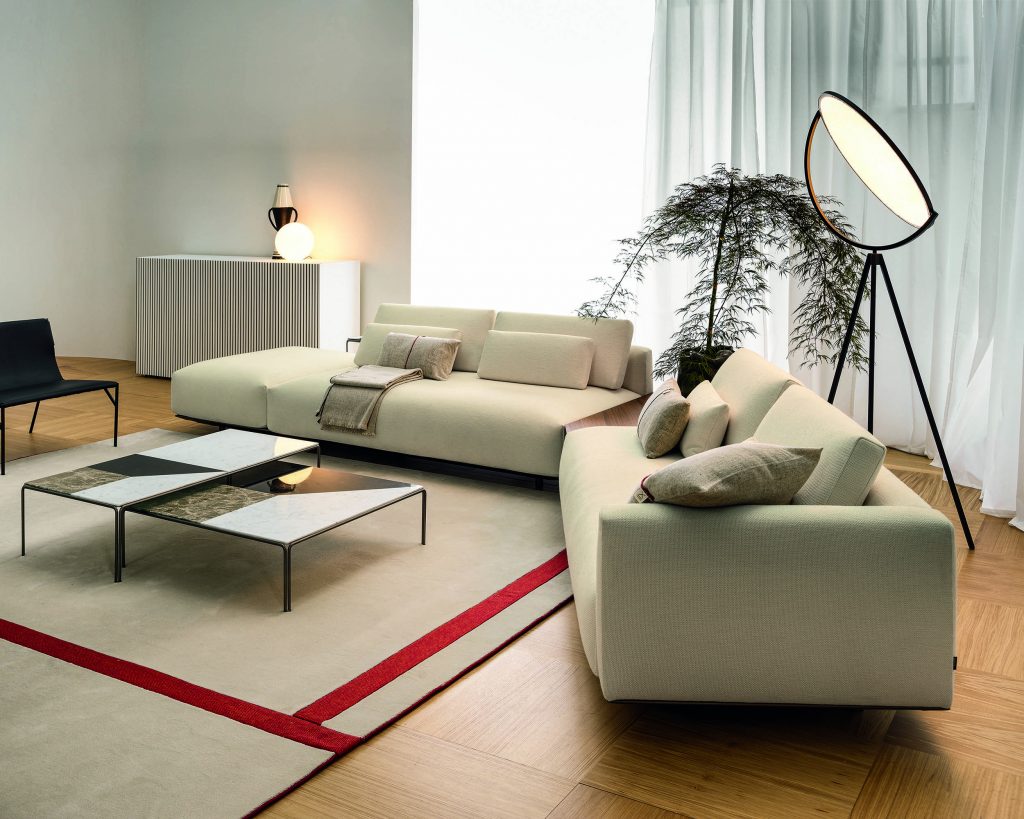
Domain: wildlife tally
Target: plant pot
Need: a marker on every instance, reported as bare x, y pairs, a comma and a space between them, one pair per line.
698, 364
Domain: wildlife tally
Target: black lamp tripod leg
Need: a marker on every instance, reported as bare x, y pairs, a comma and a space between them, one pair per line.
927, 407
871, 354
869, 264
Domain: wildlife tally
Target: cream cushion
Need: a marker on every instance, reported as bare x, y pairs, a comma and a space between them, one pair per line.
432, 356
662, 420
611, 337
750, 386
374, 335
233, 389
474, 325
850, 458
467, 419
709, 419
546, 359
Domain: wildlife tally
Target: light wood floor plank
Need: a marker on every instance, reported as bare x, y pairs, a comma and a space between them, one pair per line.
589, 803
402, 773
908, 784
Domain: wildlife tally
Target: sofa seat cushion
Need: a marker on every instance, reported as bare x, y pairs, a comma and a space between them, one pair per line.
600, 466
850, 455
474, 325
466, 419
612, 339
233, 389
750, 386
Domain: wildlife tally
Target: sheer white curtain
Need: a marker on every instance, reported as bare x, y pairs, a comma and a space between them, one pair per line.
737, 81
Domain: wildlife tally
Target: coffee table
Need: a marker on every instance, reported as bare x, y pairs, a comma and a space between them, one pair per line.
316, 501
123, 483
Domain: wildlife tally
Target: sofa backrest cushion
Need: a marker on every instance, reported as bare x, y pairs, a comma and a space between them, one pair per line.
750, 386
547, 359
473, 324
611, 337
850, 455
370, 347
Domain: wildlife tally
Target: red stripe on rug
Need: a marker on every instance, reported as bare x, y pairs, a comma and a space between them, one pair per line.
266, 719
347, 695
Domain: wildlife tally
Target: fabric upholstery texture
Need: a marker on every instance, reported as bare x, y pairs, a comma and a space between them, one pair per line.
434, 357
662, 420
233, 389
374, 335
731, 475
639, 371
472, 323
611, 337
755, 604
709, 419
547, 359
750, 386
850, 458
465, 419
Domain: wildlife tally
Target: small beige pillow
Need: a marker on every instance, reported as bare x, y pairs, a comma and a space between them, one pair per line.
709, 418
731, 475
374, 334
434, 357
545, 359
662, 420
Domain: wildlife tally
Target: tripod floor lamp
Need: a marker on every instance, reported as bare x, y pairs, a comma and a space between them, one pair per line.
885, 171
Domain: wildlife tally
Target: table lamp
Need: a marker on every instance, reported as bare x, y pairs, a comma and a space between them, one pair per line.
885, 171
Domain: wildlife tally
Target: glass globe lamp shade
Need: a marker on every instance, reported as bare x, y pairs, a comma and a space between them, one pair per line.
294, 242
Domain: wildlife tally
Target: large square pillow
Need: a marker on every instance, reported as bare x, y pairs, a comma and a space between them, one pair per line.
374, 334
662, 420
709, 418
731, 475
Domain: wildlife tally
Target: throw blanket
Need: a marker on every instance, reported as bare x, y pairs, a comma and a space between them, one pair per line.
353, 399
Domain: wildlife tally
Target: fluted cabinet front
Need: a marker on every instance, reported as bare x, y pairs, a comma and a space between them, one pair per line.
193, 308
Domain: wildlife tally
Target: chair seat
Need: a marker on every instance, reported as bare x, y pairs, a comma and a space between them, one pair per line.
31, 393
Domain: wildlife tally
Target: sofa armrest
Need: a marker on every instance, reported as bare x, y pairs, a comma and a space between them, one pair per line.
639, 368
776, 604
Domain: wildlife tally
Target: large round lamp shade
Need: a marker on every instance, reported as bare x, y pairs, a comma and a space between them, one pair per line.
876, 160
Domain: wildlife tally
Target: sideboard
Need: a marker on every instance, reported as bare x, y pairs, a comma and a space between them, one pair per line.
192, 308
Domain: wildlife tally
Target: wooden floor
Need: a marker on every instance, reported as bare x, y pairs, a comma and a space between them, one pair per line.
528, 733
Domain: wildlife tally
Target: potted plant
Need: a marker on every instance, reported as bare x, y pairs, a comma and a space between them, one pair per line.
741, 230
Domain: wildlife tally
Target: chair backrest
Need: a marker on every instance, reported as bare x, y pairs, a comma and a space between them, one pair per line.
26, 354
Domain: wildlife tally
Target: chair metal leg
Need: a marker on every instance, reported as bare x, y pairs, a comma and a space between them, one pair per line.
35, 412
927, 407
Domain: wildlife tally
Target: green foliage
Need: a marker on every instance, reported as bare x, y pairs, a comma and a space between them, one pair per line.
742, 230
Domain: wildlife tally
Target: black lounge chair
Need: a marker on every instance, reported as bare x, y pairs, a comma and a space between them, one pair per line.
29, 372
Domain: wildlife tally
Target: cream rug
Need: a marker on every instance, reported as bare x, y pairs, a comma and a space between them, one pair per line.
185, 690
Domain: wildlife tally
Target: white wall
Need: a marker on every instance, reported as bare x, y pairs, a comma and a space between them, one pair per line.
69, 108
528, 148
136, 127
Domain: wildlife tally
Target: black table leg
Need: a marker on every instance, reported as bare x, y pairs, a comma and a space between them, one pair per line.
118, 543
423, 520
287, 577
23, 521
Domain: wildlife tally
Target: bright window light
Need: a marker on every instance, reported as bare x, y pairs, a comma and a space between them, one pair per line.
528, 148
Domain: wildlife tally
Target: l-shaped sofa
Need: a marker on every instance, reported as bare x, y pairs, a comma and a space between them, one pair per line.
846, 597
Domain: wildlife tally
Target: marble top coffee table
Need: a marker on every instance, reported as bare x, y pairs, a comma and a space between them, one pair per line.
123, 483
284, 510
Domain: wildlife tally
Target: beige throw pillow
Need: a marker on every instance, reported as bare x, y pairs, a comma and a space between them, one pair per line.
662, 420
732, 475
709, 419
434, 357
375, 333
545, 359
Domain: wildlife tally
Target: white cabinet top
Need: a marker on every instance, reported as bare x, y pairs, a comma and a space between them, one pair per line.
250, 259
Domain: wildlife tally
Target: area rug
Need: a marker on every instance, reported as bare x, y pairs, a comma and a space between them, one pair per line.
185, 690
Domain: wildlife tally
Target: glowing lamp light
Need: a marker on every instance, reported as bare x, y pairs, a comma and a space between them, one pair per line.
294, 242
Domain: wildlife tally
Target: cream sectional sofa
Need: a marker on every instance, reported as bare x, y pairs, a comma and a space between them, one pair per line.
846, 597
467, 419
